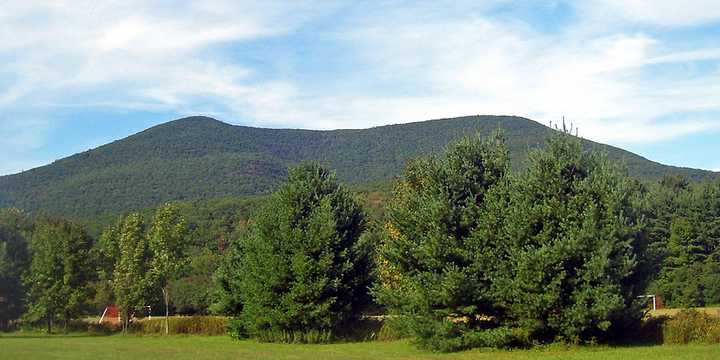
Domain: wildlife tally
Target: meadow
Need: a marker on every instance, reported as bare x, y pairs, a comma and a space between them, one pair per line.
31, 347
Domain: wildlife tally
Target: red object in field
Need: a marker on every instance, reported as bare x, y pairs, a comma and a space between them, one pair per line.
111, 315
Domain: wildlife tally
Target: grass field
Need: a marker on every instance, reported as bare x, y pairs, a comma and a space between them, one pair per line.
27, 347
712, 311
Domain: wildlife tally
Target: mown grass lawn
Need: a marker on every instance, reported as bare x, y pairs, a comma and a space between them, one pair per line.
25, 347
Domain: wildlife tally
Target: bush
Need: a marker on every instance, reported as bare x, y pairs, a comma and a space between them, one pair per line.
691, 326
236, 328
448, 336
195, 325
71, 326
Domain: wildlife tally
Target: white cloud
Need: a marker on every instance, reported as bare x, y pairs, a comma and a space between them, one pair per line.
126, 47
687, 56
489, 66
662, 12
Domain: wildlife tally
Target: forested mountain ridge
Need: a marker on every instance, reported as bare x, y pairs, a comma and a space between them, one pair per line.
200, 157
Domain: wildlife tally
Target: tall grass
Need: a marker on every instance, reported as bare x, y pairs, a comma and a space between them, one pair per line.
691, 326
296, 336
195, 325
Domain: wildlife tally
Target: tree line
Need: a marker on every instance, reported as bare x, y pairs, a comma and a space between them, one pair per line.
466, 253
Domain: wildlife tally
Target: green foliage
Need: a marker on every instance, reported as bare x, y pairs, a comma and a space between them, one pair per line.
446, 337
302, 267
691, 326
192, 294
59, 271
236, 328
227, 279
130, 281
145, 259
475, 258
434, 256
201, 158
213, 223
14, 260
570, 235
689, 263
167, 243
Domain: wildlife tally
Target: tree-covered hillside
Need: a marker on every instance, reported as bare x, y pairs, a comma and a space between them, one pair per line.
201, 158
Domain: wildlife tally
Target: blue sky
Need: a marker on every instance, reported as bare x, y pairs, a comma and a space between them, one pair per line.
642, 75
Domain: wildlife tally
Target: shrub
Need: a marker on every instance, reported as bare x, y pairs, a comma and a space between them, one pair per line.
449, 336
691, 326
236, 328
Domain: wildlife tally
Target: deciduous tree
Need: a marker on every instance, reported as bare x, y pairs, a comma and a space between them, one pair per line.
167, 240
130, 281
59, 271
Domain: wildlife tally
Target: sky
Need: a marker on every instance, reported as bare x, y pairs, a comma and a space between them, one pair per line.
641, 75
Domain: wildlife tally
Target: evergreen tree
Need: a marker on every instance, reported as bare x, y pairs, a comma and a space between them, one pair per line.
227, 294
688, 274
571, 235
301, 273
438, 250
59, 271
227, 291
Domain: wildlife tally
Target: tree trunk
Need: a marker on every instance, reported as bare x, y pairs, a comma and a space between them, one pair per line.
165, 299
125, 319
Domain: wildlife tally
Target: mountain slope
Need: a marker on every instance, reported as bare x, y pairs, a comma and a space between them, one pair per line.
199, 157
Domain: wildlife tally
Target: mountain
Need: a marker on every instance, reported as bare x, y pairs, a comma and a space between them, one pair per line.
200, 157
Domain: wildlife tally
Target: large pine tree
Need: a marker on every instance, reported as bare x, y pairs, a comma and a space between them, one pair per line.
571, 235
438, 249
302, 270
